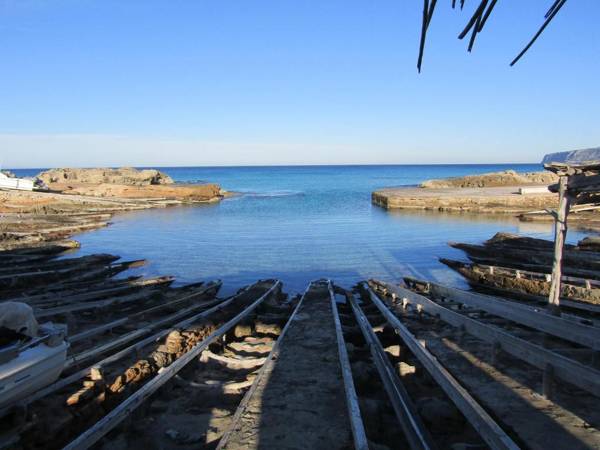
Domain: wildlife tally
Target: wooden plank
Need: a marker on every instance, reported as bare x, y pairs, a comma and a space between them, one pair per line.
536, 318
13, 279
569, 370
356, 423
142, 295
581, 306
97, 330
58, 264
126, 351
185, 298
415, 432
117, 415
560, 236
91, 294
103, 348
133, 335
483, 423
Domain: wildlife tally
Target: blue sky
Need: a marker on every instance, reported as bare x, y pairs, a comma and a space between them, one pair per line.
86, 83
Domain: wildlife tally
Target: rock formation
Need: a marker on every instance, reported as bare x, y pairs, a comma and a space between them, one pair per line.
124, 176
494, 179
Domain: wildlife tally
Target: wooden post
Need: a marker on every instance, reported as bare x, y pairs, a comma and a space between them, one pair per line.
560, 233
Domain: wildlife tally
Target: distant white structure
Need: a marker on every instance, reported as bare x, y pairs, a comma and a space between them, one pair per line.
20, 184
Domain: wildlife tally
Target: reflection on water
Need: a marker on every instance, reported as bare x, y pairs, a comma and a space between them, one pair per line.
299, 224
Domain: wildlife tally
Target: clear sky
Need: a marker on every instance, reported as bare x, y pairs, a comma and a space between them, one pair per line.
226, 82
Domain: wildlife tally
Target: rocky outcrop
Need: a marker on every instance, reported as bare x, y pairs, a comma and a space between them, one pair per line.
181, 192
494, 179
125, 176
79, 203
505, 199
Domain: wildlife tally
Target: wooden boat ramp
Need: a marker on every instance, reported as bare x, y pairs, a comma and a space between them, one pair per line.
381, 366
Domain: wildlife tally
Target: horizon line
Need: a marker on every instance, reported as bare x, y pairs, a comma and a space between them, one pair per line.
276, 165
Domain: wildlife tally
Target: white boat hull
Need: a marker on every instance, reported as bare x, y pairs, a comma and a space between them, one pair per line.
32, 370
19, 184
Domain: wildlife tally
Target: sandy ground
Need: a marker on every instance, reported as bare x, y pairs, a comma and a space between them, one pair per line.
287, 409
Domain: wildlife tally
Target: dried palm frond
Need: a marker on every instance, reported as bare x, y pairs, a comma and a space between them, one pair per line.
478, 21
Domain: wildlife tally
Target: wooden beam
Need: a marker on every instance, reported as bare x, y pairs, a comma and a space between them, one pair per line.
131, 403
145, 294
103, 348
358, 429
569, 370
416, 434
560, 234
91, 294
580, 306
488, 429
585, 335
133, 335
97, 330
126, 351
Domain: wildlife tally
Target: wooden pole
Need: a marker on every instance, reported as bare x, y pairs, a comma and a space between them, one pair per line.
560, 233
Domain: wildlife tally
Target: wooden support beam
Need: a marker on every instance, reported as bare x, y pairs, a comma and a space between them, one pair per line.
133, 335
582, 376
105, 347
127, 351
416, 434
142, 295
131, 403
96, 330
585, 335
560, 234
120, 288
489, 430
358, 430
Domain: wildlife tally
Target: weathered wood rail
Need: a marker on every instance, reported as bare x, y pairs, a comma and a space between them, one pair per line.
551, 363
414, 430
131, 403
489, 430
536, 318
315, 412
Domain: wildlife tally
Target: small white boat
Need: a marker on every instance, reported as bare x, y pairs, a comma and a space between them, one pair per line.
20, 184
30, 366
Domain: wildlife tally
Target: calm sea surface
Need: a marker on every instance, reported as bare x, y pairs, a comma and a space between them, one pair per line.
301, 223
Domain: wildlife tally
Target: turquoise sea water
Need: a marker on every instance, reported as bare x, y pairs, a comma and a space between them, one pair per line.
301, 223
